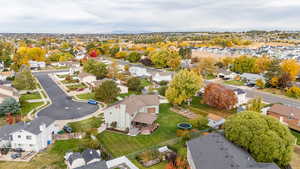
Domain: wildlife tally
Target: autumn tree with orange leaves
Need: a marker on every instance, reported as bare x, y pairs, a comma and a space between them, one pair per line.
219, 96
179, 163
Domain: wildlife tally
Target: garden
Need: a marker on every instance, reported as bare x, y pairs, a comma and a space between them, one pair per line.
76, 86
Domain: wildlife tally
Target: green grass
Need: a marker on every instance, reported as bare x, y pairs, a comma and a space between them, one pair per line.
120, 144
145, 82
32, 96
234, 82
297, 135
86, 125
86, 96
27, 107
198, 107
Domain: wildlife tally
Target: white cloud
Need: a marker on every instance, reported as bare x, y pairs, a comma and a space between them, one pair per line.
86, 16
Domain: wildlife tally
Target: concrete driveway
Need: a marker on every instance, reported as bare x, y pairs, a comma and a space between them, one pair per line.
62, 108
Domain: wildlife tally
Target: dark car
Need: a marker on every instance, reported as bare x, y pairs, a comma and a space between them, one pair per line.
68, 129
18, 150
17, 155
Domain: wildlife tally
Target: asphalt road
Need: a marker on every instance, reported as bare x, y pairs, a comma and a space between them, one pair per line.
61, 107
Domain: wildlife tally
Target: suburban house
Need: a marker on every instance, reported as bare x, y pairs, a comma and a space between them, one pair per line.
226, 74
139, 72
123, 88
286, 115
86, 159
35, 135
136, 113
214, 151
162, 76
36, 65
87, 77
251, 78
241, 96
6, 92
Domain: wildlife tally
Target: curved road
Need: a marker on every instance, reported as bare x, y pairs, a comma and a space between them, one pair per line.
61, 107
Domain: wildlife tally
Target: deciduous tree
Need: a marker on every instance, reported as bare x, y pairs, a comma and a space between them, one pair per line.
290, 66
24, 79
263, 136
184, 85
107, 91
219, 96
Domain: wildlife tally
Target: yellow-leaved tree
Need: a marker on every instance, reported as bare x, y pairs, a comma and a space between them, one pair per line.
290, 66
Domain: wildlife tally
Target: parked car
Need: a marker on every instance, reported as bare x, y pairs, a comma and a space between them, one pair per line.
80, 89
15, 156
68, 129
18, 150
94, 102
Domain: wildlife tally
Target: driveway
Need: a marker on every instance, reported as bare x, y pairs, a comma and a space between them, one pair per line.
62, 108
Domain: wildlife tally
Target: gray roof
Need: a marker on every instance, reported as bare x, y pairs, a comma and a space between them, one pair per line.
32, 126
73, 157
239, 91
214, 151
95, 165
90, 154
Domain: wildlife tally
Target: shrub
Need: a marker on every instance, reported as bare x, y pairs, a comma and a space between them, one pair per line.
200, 123
134, 84
293, 92
260, 83
162, 90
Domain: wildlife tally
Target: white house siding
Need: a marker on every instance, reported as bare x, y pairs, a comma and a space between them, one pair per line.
117, 113
77, 163
26, 144
124, 89
241, 99
159, 78
37, 142
190, 159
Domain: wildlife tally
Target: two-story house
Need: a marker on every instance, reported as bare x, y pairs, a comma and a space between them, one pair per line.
89, 158
35, 135
134, 112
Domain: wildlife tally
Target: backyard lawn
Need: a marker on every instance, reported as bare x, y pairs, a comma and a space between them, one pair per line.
31, 96
120, 144
198, 107
145, 82
86, 125
234, 82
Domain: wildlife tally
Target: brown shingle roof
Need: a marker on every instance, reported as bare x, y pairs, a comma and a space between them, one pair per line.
135, 102
285, 110
145, 118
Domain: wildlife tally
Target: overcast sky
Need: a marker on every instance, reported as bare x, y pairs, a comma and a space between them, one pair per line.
106, 16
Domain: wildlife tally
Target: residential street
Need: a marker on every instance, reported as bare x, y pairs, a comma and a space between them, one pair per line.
62, 108
267, 97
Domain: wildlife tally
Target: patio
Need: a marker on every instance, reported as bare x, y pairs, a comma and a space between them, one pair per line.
25, 156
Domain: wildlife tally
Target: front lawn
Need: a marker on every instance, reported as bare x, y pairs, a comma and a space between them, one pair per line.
234, 82
31, 96
86, 125
121, 144
27, 107
86, 96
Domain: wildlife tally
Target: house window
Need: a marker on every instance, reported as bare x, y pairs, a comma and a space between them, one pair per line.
28, 137
30, 145
19, 136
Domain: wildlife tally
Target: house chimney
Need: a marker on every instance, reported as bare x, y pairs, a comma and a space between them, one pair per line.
42, 127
